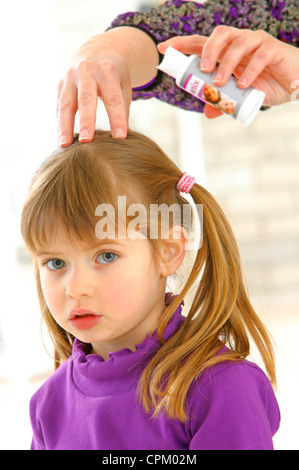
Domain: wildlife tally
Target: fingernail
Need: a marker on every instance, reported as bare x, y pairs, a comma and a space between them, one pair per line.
83, 135
243, 82
205, 64
218, 77
63, 140
119, 133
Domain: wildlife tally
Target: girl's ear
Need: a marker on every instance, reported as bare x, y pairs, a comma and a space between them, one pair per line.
173, 250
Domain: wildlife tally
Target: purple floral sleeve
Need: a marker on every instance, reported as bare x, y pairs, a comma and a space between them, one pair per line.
180, 18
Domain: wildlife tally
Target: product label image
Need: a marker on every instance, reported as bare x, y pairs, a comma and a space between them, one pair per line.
242, 104
200, 84
210, 94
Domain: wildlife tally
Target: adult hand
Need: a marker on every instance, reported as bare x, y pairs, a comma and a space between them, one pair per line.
108, 65
255, 57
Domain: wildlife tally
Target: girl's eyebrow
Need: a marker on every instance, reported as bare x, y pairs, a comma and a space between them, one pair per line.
96, 245
43, 253
108, 241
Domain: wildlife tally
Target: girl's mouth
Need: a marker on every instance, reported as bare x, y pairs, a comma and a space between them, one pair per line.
83, 319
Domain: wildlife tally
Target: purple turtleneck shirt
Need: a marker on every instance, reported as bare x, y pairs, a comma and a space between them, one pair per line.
92, 404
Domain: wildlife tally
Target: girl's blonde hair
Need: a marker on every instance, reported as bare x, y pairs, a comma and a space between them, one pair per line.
69, 186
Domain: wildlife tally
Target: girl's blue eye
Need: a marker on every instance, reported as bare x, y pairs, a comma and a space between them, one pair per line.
106, 258
55, 264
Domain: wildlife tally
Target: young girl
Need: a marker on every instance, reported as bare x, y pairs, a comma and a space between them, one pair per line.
132, 371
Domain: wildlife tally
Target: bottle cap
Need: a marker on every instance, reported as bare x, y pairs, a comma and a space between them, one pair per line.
250, 107
173, 61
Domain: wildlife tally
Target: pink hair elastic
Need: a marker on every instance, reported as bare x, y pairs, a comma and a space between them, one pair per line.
185, 183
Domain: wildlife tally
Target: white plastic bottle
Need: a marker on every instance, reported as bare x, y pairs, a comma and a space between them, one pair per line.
242, 104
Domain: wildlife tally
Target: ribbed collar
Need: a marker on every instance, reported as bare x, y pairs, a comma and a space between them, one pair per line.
120, 373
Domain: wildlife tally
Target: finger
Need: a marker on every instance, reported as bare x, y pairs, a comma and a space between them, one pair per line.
59, 90
238, 52
211, 112
262, 57
117, 101
186, 44
127, 95
66, 110
213, 48
118, 112
87, 106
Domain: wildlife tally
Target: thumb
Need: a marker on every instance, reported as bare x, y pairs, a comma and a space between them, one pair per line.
211, 112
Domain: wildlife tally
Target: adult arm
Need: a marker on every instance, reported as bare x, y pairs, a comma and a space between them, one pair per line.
255, 57
109, 65
256, 40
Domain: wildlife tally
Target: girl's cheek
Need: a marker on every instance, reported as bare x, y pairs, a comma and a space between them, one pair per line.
52, 292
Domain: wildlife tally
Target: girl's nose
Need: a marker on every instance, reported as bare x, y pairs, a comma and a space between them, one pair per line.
79, 283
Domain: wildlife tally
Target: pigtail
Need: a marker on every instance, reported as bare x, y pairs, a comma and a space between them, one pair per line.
228, 301
220, 314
